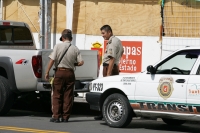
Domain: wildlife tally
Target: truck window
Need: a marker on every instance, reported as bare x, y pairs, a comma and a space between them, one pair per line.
13, 35
180, 63
6, 35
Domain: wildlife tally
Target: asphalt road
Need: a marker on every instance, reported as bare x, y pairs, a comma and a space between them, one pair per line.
26, 118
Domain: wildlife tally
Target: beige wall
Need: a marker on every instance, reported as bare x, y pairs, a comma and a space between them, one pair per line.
182, 18
27, 11
126, 17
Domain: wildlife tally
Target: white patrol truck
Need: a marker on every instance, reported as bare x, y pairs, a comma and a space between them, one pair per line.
22, 67
169, 90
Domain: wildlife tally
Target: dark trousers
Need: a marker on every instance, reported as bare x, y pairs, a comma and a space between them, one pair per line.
115, 70
63, 93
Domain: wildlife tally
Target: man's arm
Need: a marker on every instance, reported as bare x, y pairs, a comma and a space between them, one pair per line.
110, 66
79, 58
51, 62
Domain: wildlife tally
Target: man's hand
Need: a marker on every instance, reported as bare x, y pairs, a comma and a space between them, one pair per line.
81, 63
47, 76
51, 62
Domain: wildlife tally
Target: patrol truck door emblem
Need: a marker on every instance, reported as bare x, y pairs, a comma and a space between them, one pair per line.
165, 87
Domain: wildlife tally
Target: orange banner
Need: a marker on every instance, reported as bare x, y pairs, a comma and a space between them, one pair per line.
131, 60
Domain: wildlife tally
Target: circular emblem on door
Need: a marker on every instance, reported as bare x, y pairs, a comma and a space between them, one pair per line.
165, 87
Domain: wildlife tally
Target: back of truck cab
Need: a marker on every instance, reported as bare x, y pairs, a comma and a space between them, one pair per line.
22, 39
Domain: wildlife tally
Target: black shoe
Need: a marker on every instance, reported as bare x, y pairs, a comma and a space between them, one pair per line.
54, 120
64, 120
100, 117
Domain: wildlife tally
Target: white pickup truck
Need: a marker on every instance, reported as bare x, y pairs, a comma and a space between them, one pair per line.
22, 66
170, 90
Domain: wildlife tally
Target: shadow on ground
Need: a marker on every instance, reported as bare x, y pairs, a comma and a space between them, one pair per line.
159, 126
35, 105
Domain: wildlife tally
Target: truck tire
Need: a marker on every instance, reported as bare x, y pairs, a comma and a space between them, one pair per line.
6, 96
117, 111
173, 122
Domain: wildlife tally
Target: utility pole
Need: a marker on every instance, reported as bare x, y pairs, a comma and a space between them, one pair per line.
42, 24
1, 9
48, 24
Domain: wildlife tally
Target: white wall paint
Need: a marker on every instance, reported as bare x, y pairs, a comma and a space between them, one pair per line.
171, 44
151, 52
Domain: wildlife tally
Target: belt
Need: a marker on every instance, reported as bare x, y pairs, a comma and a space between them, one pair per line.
105, 64
63, 69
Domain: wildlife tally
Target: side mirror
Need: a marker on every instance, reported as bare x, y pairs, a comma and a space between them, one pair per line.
151, 69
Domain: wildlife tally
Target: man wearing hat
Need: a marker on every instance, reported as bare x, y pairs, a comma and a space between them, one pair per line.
64, 78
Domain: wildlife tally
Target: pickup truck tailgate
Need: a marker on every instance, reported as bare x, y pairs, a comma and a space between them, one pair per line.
45, 61
90, 68
88, 71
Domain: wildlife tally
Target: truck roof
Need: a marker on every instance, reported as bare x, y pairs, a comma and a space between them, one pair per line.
13, 23
192, 47
188, 48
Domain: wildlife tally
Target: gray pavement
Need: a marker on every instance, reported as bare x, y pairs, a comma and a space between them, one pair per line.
30, 117
27, 121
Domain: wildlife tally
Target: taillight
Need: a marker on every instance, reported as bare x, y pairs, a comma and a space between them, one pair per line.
37, 65
6, 23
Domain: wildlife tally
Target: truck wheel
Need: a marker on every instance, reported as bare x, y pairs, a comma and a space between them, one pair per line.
117, 111
6, 96
173, 122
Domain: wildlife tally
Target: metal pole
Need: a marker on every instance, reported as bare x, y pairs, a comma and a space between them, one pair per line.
42, 24
1, 14
47, 24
